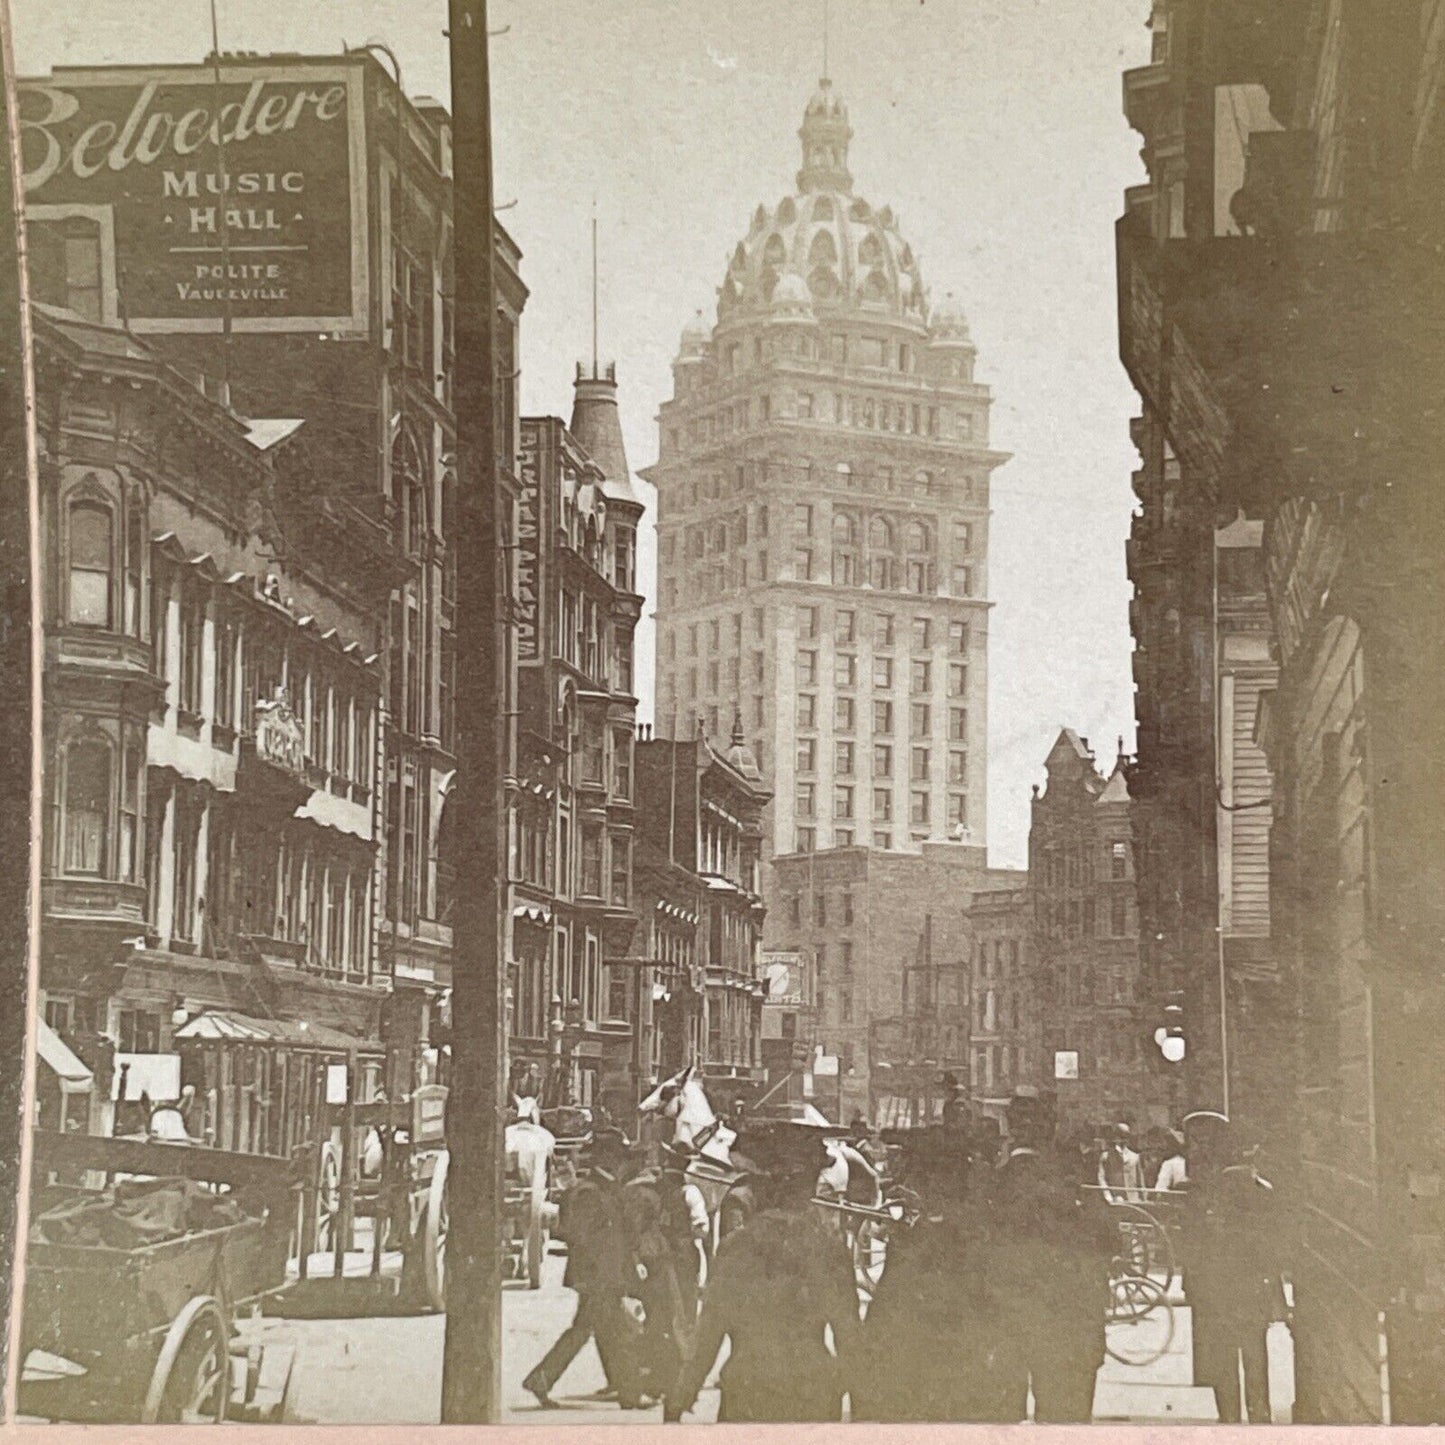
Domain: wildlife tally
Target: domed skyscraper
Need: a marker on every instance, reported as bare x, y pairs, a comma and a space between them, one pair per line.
823, 502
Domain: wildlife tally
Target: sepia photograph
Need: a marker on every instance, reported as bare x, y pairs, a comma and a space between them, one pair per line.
722, 712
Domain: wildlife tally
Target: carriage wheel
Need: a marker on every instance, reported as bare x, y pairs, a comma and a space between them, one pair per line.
434, 1238
191, 1382
328, 1201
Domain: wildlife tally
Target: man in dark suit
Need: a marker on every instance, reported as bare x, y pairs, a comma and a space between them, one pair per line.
602, 1268
1234, 1257
1049, 1247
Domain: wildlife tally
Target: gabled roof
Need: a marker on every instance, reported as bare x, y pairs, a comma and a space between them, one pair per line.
1116, 790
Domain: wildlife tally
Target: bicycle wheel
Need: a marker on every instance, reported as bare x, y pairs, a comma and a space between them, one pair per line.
870, 1249
1147, 1247
1139, 1325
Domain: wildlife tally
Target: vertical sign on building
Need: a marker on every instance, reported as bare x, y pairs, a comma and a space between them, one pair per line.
128, 201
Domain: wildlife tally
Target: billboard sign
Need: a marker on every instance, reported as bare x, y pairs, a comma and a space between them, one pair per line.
247, 192
787, 982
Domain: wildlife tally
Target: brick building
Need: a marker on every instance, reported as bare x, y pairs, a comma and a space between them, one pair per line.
1086, 942
869, 920
1280, 282
1009, 1008
338, 313
573, 813
212, 704
696, 972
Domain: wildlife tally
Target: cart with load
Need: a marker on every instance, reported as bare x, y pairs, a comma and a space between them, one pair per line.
141, 1258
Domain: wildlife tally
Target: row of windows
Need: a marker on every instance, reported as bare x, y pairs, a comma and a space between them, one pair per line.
809, 477
845, 672
920, 718
923, 632
883, 573
805, 839
1078, 866
820, 914
805, 803
1078, 918
845, 759
997, 958
723, 579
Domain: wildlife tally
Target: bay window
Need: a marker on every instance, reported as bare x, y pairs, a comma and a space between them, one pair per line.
92, 540
85, 816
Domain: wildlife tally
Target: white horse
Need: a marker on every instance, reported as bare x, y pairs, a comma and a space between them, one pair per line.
529, 1154
695, 1125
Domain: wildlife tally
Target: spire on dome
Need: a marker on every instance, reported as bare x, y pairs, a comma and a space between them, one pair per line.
825, 136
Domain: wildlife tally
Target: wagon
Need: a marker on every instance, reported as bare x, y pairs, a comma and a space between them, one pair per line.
146, 1333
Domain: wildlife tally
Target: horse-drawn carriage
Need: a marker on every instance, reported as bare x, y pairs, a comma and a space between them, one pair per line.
722, 1174
142, 1256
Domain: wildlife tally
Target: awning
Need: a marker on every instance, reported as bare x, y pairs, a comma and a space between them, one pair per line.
60, 1059
222, 1025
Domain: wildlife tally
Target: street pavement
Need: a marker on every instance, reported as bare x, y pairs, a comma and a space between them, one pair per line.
387, 1370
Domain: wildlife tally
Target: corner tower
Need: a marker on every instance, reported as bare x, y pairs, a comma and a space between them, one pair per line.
823, 503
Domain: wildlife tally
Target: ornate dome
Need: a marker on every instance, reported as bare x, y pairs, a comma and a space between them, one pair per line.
947, 322
823, 244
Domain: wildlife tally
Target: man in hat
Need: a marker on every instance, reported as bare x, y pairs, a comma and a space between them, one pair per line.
1233, 1267
931, 1327
669, 1225
1120, 1173
778, 1285
602, 1268
1049, 1251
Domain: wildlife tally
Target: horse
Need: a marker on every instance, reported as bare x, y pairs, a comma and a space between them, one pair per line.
695, 1126
529, 1148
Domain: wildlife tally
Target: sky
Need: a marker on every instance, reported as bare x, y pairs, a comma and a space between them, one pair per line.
992, 127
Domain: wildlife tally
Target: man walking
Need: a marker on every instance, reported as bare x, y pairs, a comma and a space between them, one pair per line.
1233, 1265
1049, 1248
602, 1268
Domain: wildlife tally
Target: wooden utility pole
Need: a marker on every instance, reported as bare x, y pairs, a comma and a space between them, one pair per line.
20, 667
471, 1370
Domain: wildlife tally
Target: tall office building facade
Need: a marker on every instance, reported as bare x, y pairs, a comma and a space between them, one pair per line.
823, 506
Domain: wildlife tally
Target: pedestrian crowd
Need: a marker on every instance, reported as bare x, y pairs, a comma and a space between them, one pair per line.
996, 1281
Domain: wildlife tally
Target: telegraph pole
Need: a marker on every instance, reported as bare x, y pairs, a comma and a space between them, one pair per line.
20, 642
471, 1369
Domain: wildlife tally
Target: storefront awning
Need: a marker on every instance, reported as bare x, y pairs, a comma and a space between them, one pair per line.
61, 1060
225, 1026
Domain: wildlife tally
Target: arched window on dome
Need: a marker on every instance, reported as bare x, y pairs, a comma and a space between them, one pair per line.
860, 210
845, 550
882, 564
876, 288
787, 212
823, 208
870, 250
822, 250
775, 251
823, 283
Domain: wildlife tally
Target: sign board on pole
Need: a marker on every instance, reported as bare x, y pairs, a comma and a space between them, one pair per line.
150, 167
336, 1083
1066, 1064
787, 985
